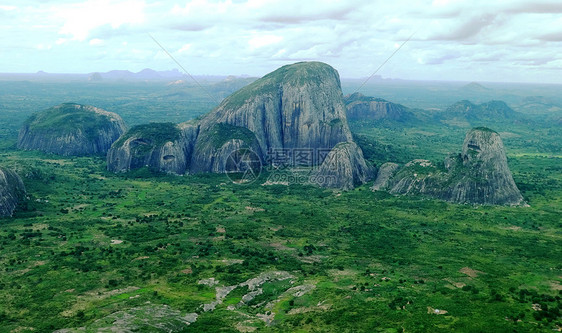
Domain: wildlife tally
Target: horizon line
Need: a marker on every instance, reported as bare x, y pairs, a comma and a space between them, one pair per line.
379, 77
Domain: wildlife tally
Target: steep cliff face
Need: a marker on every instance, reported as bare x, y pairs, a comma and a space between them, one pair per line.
482, 171
478, 175
344, 168
296, 106
11, 191
71, 130
163, 147
217, 143
360, 107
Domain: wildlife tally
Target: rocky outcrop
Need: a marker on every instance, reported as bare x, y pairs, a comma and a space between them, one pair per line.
385, 173
478, 175
11, 191
217, 144
163, 147
488, 179
344, 168
360, 107
419, 177
297, 107
71, 130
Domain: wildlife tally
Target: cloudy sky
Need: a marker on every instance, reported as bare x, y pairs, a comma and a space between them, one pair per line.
490, 40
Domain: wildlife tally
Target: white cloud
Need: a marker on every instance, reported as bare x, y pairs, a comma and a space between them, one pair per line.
455, 39
80, 19
8, 8
96, 42
264, 40
44, 47
185, 48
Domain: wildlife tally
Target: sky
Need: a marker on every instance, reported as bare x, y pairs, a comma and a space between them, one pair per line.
491, 40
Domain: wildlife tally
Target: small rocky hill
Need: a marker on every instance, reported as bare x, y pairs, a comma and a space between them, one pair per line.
475, 114
11, 191
163, 147
344, 168
360, 107
477, 175
71, 130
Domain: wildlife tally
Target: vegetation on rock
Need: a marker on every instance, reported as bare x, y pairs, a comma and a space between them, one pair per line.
71, 129
479, 175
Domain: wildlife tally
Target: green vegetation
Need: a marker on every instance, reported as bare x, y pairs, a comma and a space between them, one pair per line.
336, 122
136, 102
434, 141
311, 73
221, 133
376, 267
484, 129
90, 248
68, 118
154, 134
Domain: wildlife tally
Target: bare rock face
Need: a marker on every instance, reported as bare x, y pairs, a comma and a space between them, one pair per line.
487, 179
11, 191
478, 175
418, 177
344, 168
296, 106
385, 173
217, 144
71, 130
360, 107
163, 147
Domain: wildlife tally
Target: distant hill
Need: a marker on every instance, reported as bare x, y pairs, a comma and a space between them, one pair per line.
145, 74
475, 87
219, 89
468, 112
538, 105
361, 107
230, 85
